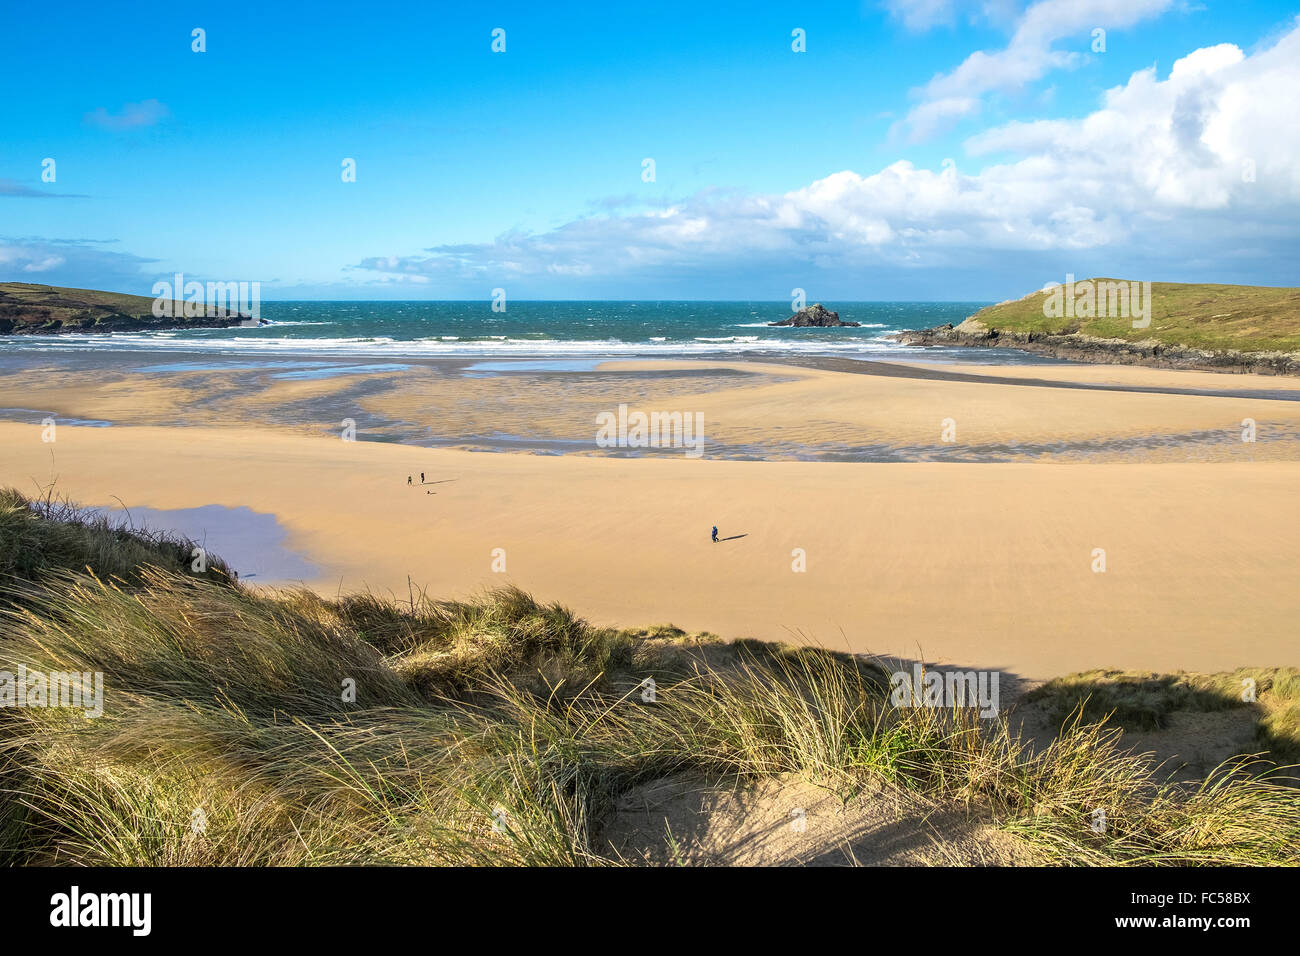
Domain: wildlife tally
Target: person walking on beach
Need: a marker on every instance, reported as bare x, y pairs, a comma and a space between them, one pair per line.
421, 477
715, 534
408, 479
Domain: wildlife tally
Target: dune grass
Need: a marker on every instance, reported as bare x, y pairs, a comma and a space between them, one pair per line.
48, 534
248, 727
1144, 701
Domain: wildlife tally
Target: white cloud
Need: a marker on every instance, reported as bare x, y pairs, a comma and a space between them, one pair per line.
1027, 57
44, 265
1206, 61
132, 116
1178, 144
932, 116
921, 14
81, 263
1156, 172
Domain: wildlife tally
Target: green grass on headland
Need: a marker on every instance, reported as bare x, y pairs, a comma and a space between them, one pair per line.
249, 727
29, 308
25, 304
1192, 315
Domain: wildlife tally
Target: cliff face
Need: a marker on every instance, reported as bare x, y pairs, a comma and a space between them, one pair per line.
27, 309
1087, 348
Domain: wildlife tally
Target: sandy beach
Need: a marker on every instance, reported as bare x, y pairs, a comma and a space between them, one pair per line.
847, 411
985, 563
584, 443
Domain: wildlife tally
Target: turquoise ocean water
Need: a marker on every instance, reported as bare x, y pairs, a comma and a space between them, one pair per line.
370, 330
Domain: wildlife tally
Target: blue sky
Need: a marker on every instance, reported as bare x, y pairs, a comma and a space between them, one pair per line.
918, 149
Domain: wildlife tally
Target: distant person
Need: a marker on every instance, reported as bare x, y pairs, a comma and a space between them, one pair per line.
408, 479
715, 534
421, 477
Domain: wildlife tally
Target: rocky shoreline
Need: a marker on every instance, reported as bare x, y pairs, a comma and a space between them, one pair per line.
110, 323
30, 309
1087, 348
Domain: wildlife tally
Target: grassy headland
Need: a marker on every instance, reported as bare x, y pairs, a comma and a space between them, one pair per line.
1192, 315
31, 309
252, 727
1190, 325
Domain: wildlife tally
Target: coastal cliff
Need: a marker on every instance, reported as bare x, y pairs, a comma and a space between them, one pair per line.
29, 309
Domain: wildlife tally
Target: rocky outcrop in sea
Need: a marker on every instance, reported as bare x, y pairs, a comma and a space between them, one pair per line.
816, 316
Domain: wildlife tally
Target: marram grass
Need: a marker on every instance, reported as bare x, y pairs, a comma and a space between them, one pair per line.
495, 731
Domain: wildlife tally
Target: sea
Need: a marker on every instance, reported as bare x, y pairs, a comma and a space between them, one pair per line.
551, 329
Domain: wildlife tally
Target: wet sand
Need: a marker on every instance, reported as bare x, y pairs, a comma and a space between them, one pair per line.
842, 411
986, 565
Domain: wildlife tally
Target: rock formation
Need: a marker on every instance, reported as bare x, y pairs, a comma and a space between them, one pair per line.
816, 316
